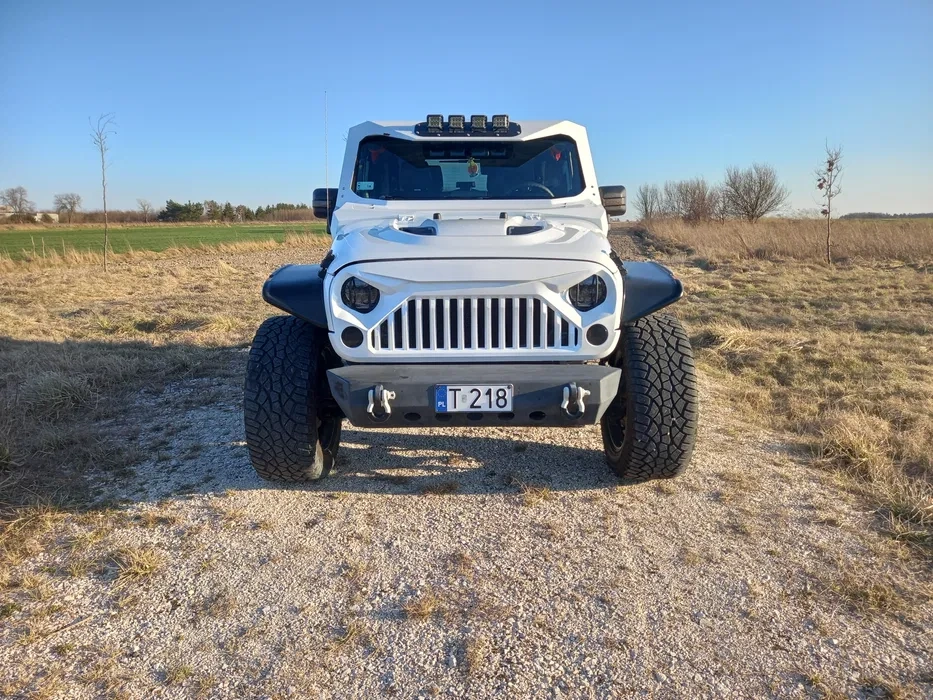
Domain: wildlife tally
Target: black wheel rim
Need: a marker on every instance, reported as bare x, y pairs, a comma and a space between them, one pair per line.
615, 423
327, 432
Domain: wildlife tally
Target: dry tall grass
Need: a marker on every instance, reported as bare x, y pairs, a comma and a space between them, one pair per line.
76, 344
70, 257
841, 356
798, 239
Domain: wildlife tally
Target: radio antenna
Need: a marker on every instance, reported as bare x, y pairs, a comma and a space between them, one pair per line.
326, 182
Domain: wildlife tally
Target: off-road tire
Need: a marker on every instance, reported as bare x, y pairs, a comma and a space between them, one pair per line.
650, 429
287, 437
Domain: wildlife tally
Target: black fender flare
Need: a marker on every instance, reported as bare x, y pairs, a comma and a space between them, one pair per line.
646, 287
299, 291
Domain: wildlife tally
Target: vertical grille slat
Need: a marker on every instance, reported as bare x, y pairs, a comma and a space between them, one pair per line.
447, 323
516, 323
500, 339
405, 338
488, 307
542, 337
419, 336
530, 324
474, 324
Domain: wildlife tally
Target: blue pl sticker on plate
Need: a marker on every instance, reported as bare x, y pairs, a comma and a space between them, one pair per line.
363, 186
440, 398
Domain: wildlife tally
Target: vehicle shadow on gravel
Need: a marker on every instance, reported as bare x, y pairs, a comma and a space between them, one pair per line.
461, 461
84, 424
469, 461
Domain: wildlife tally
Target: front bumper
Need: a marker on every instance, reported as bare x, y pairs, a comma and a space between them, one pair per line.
539, 390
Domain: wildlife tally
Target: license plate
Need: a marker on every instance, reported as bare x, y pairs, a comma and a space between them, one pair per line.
468, 398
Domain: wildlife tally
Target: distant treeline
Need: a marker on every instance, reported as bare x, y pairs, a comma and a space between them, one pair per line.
882, 215
212, 210
198, 211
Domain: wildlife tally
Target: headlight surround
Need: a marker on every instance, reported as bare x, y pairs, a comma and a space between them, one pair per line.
359, 295
588, 294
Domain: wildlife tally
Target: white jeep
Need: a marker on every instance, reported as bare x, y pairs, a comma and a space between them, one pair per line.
470, 283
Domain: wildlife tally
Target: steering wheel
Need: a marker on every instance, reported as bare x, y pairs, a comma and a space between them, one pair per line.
531, 186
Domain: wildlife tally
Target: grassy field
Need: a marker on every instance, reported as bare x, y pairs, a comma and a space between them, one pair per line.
24, 243
832, 364
837, 357
785, 239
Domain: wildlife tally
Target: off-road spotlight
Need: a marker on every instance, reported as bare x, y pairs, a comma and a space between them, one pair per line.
478, 122
456, 122
500, 122
435, 122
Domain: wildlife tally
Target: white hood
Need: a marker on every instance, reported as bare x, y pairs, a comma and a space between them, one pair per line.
471, 235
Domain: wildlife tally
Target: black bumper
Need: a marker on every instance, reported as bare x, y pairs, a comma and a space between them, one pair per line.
538, 391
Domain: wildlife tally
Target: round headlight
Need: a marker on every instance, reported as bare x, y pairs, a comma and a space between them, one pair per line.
588, 294
359, 295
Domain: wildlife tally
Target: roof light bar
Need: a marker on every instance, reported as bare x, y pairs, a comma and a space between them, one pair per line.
457, 125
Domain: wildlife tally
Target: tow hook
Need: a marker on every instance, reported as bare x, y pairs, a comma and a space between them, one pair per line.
573, 396
379, 397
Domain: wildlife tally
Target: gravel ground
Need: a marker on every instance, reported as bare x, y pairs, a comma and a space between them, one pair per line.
468, 563
465, 563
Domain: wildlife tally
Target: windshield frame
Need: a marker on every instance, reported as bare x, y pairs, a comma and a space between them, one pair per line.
577, 183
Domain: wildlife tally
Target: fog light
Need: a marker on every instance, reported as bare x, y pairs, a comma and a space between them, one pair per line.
352, 337
359, 295
588, 294
597, 334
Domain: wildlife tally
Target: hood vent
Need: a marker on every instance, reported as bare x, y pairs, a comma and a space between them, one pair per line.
419, 230
523, 230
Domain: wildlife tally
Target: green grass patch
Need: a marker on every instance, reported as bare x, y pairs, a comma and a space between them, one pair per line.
19, 244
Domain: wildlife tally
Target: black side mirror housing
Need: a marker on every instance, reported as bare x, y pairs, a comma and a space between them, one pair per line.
323, 201
613, 197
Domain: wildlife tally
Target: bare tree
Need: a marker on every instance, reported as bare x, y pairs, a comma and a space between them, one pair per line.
827, 181
698, 200
754, 192
17, 199
691, 200
99, 135
720, 205
145, 208
648, 202
69, 203
670, 199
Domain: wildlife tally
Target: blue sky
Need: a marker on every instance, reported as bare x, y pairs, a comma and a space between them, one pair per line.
224, 100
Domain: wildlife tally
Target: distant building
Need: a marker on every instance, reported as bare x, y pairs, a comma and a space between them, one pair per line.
7, 211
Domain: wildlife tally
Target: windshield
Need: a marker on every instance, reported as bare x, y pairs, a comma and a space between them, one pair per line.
388, 168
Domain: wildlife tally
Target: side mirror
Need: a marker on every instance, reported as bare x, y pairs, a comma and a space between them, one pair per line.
613, 197
323, 202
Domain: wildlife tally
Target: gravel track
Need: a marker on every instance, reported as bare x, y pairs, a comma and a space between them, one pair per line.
475, 562
467, 563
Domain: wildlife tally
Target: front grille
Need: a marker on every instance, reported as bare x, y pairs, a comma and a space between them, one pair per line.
457, 324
